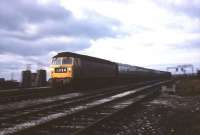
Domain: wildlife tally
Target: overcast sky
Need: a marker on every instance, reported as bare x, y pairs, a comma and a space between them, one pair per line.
150, 33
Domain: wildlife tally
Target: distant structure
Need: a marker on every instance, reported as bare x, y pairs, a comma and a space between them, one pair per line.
26, 78
8, 84
33, 79
198, 73
2, 82
30, 79
41, 77
11, 84
182, 68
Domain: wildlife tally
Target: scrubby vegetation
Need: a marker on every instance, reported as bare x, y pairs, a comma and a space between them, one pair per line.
188, 87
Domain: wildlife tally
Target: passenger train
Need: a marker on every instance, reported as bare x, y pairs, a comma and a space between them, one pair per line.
68, 69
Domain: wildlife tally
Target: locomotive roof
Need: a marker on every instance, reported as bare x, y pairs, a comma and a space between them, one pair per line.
75, 55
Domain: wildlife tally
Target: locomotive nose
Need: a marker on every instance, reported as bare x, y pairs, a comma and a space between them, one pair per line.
62, 72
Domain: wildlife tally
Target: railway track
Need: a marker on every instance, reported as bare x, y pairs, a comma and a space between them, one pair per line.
22, 104
13, 113
9, 96
36, 119
34, 93
107, 114
17, 95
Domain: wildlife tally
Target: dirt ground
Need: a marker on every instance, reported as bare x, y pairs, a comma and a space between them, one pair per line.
166, 115
177, 114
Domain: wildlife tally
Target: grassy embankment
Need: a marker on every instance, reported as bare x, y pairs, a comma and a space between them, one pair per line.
188, 87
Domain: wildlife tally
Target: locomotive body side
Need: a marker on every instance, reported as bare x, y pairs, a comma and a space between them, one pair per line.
94, 71
84, 69
91, 69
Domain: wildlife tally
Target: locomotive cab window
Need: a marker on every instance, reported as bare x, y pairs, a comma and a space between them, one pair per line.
62, 60
57, 61
67, 60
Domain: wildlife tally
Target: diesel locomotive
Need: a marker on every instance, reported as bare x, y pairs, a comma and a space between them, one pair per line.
69, 69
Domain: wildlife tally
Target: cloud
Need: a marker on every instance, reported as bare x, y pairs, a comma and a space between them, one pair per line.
31, 30
186, 13
31, 20
43, 46
32, 25
157, 34
16, 13
153, 55
186, 7
144, 33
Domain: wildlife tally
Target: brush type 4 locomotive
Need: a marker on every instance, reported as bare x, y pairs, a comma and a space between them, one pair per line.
69, 69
